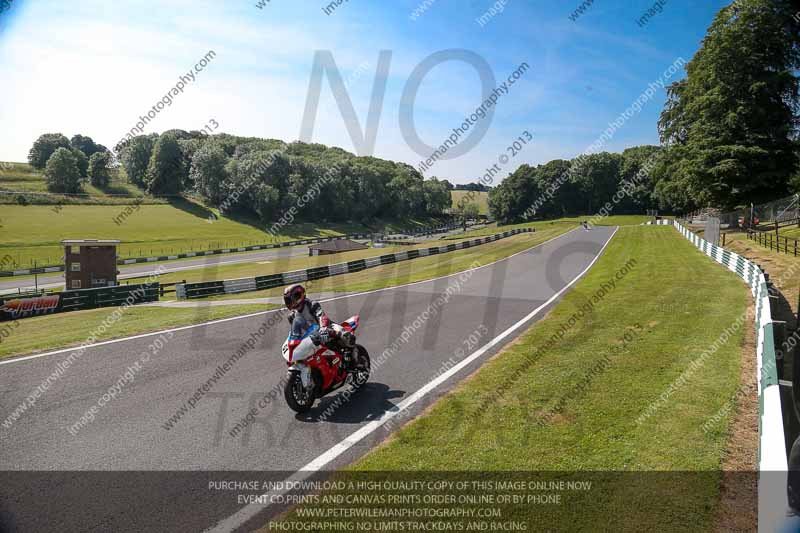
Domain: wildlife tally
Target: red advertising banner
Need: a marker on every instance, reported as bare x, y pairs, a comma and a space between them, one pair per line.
25, 307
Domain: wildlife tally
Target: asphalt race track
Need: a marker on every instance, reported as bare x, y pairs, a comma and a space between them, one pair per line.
125, 472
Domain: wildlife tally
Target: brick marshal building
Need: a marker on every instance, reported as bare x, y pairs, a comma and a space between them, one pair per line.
90, 263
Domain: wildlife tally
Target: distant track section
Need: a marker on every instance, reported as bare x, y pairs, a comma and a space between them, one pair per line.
259, 283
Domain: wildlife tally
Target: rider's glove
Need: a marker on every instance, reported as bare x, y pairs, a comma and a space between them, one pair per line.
324, 335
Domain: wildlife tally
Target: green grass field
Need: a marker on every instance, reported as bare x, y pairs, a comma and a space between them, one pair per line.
523, 411
481, 199
33, 233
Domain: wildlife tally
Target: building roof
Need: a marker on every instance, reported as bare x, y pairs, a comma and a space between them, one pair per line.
338, 245
67, 242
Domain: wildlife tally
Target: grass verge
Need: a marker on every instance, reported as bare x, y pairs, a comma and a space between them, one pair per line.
562, 416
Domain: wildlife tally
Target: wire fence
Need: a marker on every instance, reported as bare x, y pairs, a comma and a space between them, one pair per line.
771, 215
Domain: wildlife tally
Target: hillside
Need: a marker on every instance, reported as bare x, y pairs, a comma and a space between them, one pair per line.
33, 232
480, 197
21, 180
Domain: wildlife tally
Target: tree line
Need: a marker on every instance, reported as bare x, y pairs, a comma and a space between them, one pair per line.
579, 186
254, 176
266, 177
67, 163
729, 132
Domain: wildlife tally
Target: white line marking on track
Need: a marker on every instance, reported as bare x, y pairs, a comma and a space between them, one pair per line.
222, 320
246, 513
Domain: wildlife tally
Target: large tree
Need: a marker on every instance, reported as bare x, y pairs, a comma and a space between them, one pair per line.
638, 164
82, 161
730, 127
86, 145
189, 148
407, 192
61, 172
135, 158
437, 196
552, 179
513, 198
596, 177
44, 147
208, 172
99, 173
165, 172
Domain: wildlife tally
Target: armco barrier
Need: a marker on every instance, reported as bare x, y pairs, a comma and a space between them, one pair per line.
14, 307
136, 260
209, 288
772, 456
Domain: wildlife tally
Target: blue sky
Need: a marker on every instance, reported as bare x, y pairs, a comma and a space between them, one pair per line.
94, 67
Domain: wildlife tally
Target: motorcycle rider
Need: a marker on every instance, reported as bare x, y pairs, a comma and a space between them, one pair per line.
294, 296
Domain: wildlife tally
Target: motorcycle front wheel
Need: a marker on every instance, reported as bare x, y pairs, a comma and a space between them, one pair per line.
298, 397
362, 364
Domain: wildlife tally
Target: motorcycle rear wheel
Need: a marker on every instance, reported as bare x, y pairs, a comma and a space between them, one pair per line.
298, 397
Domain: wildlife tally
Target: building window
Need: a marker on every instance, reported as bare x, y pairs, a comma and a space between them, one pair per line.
76, 284
75, 249
75, 267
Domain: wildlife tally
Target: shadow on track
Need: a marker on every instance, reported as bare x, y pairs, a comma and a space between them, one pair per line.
368, 404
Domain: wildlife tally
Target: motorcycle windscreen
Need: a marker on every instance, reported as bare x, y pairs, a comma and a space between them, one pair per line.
299, 339
302, 350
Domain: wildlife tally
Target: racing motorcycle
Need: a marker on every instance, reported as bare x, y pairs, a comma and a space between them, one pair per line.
316, 369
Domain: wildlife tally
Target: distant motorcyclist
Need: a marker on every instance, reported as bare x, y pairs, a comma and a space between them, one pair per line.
294, 296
